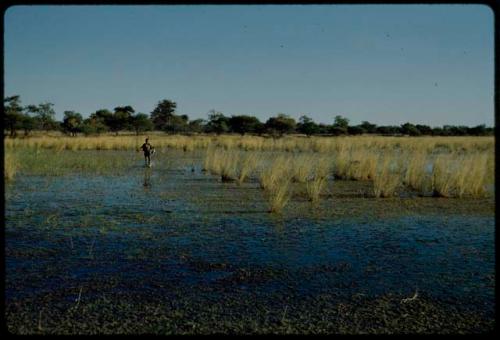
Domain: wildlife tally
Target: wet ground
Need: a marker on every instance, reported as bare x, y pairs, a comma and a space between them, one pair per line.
172, 249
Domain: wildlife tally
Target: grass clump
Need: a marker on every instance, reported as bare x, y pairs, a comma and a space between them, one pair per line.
387, 179
414, 172
247, 164
315, 187
461, 176
275, 179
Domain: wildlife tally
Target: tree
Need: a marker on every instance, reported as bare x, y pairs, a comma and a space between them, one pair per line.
121, 119
244, 124
368, 127
479, 130
45, 115
127, 109
339, 126
307, 126
28, 124
13, 114
410, 129
341, 122
424, 129
280, 124
72, 122
103, 115
94, 125
163, 114
217, 122
197, 125
141, 122
388, 130
355, 130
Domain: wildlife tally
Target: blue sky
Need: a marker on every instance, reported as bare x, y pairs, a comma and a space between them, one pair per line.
388, 64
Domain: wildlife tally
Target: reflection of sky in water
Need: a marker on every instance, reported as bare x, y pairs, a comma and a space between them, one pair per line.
138, 229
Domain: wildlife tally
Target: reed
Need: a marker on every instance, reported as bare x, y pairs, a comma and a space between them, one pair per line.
443, 180
229, 166
415, 170
387, 179
275, 172
315, 187
11, 165
302, 167
278, 195
247, 164
362, 165
275, 178
461, 176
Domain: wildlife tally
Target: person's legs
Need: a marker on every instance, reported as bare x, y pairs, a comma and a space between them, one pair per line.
148, 159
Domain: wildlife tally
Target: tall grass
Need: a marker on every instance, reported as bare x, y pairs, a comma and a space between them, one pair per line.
461, 176
275, 179
274, 171
387, 179
315, 187
10, 166
302, 167
247, 164
415, 169
337, 145
279, 195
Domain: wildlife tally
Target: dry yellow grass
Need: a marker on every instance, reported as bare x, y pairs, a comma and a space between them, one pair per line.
275, 179
274, 173
302, 167
258, 143
387, 179
315, 187
461, 175
362, 165
247, 163
414, 169
279, 195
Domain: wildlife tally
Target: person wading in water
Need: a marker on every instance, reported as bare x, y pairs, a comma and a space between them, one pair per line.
148, 150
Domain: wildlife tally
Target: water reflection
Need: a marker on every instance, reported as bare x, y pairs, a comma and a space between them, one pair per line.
147, 178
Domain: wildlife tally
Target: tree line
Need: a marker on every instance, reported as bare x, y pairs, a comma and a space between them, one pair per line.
164, 118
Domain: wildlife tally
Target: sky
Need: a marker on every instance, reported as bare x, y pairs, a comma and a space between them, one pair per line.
386, 64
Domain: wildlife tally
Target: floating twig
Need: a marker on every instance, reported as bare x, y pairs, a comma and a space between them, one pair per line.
414, 297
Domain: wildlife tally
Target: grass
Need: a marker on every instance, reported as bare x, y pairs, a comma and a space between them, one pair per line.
275, 178
461, 176
247, 164
279, 195
257, 143
10, 166
415, 170
387, 179
462, 166
315, 187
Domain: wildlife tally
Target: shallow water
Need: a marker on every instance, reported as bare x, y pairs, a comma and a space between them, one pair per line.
173, 225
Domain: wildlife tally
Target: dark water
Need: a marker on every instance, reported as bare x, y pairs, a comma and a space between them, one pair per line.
158, 228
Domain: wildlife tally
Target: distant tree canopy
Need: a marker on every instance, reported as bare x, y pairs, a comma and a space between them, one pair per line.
244, 124
164, 118
307, 126
217, 122
13, 114
141, 122
72, 122
280, 124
